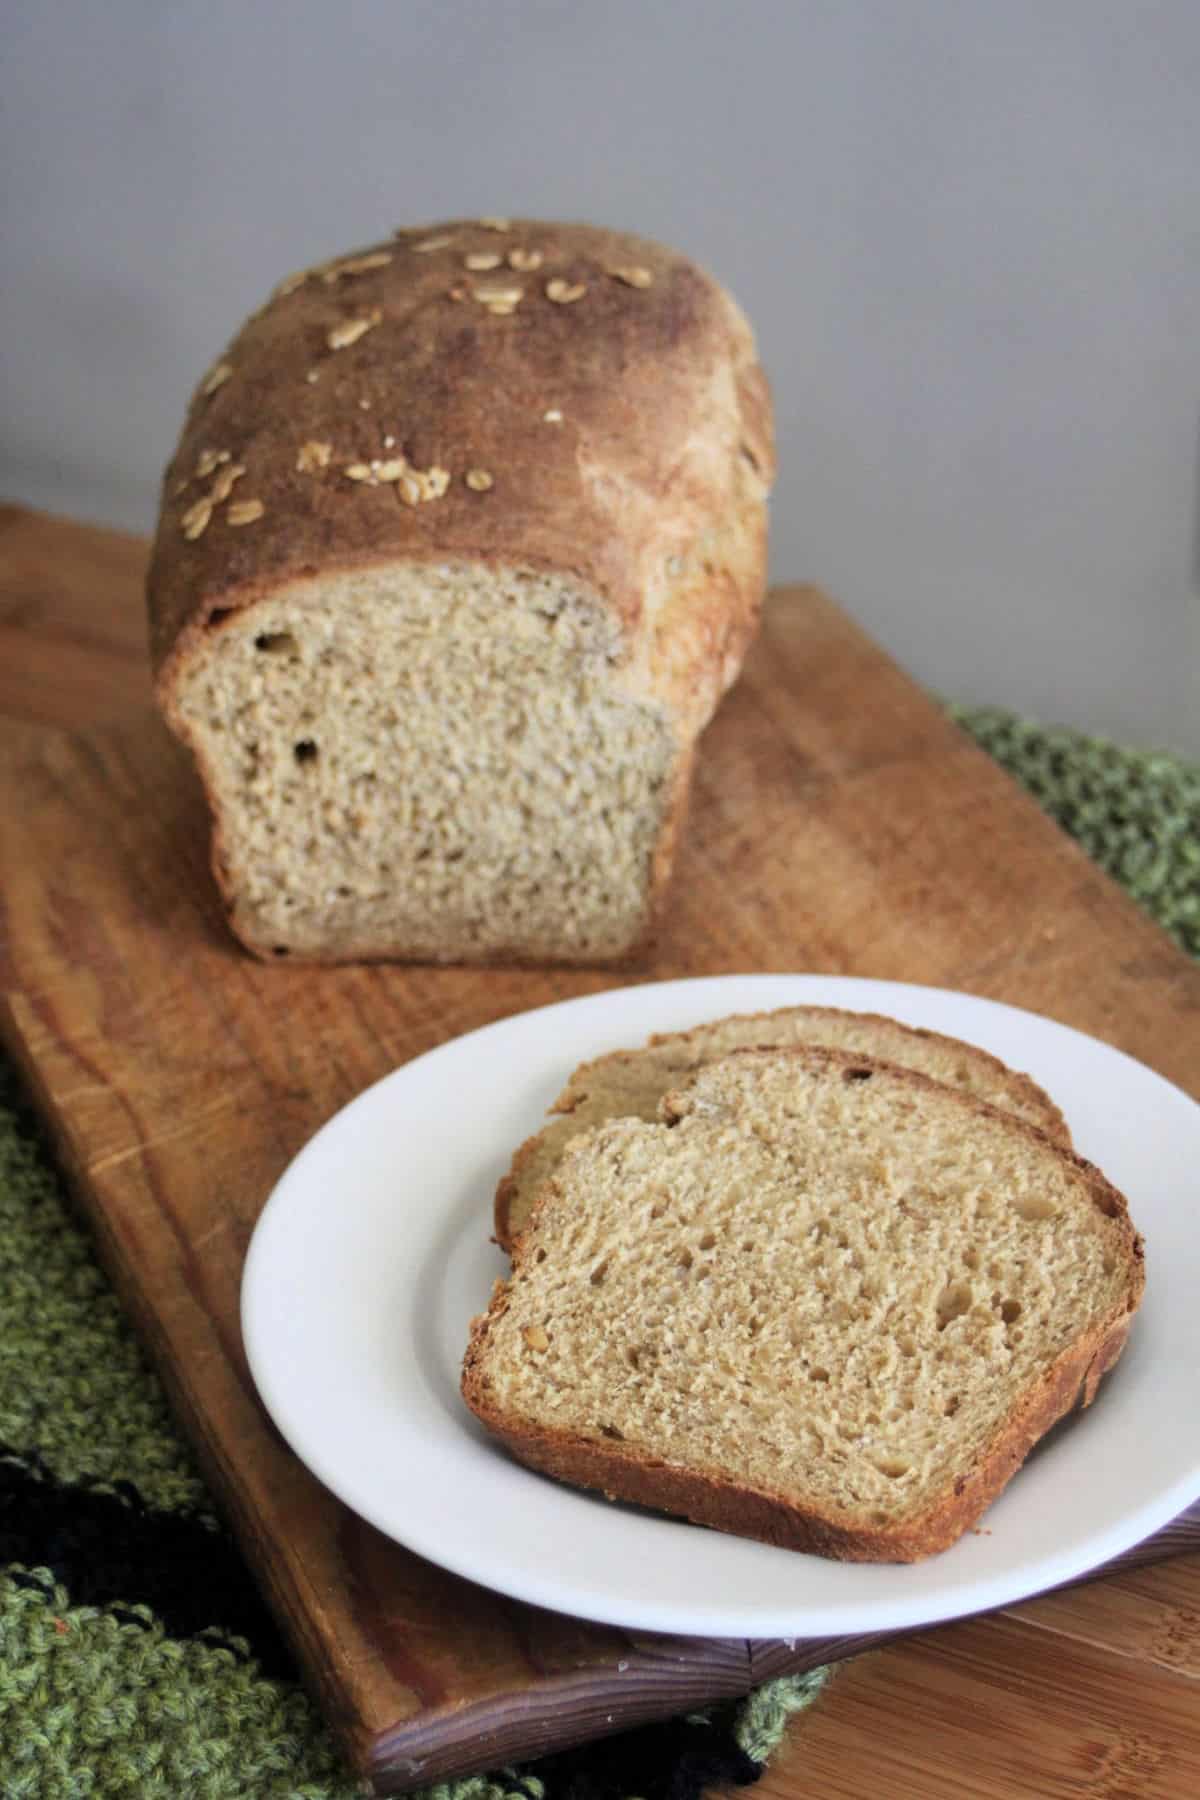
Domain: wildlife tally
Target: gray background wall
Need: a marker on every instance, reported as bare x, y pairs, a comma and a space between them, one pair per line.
968, 234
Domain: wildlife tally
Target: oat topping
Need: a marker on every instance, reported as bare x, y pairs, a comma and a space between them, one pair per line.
289, 284
525, 261
195, 519
535, 1337
495, 224
379, 471
312, 455
244, 512
482, 259
417, 485
222, 487
634, 276
458, 293
312, 377
355, 265
364, 404
494, 294
388, 441
553, 416
340, 337
564, 292
433, 243
209, 460
478, 480
217, 376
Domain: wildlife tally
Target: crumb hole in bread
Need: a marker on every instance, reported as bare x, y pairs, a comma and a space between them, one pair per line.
879, 1518
952, 1303
275, 643
906, 1346
1033, 1207
1010, 1311
539, 1255
598, 1273
633, 1356
305, 751
970, 1258
893, 1466
610, 1431
657, 1210
708, 1241
951, 1406
818, 1374
857, 1074
280, 950
685, 1258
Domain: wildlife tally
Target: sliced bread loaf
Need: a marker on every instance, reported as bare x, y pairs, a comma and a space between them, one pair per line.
630, 1083
495, 551
825, 1302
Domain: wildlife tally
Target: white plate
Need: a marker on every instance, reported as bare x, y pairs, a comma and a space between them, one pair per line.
372, 1255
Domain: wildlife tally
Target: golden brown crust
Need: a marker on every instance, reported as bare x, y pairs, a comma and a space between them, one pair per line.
746, 1511
664, 437
1023, 1089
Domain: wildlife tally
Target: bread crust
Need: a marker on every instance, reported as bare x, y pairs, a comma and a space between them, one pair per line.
770, 1516
646, 485
1021, 1086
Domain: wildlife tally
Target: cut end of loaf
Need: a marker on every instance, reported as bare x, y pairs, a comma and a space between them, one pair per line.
832, 1305
435, 762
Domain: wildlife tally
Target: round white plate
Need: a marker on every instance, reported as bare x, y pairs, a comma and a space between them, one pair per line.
373, 1254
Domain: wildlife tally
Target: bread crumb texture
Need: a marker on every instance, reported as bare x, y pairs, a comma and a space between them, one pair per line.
829, 1285
434, 757
444, 677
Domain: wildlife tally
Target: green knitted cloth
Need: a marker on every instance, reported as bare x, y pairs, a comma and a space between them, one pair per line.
135, 1656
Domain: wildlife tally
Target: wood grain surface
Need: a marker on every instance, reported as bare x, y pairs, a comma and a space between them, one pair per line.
840, 824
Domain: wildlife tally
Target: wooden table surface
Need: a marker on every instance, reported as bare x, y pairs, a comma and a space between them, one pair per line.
1094, 1691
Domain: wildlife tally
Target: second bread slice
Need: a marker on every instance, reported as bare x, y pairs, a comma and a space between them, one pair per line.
631, 1083
826, 1302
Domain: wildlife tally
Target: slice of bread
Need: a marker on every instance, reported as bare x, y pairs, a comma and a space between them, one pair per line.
825, 1302
630, 1083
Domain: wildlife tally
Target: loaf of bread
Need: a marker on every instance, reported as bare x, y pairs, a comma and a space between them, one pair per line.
631, 1083
824, 1302
462, 543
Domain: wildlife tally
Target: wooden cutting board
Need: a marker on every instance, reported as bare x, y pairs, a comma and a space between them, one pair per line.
840, 824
